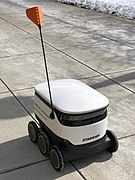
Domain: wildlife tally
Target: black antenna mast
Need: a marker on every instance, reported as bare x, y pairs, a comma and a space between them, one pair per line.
47, 75
35, 15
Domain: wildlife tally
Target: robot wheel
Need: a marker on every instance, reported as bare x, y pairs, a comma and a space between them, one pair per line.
33, 131
44, 143
56, 158
114, 141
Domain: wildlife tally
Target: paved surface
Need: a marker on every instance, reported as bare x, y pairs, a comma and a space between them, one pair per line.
96, 48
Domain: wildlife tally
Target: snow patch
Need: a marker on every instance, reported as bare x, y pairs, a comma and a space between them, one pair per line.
122, 8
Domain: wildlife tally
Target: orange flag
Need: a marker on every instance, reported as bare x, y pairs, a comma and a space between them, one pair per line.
35, 15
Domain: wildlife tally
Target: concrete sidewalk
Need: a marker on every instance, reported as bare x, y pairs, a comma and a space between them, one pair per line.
97, 49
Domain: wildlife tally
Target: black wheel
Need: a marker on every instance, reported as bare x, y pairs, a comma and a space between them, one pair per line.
114, 141
56, 158
33, 131
44, 143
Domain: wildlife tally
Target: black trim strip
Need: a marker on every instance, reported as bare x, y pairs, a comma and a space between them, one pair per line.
84, 122
42, 99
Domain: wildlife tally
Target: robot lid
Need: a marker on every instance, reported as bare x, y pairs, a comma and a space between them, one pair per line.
72, 96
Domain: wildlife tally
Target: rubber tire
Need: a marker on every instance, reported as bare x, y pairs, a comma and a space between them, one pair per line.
44, 143
33, 131
114, 141
56, 158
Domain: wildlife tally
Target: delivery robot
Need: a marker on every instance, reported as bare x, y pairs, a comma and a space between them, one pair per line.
71, 117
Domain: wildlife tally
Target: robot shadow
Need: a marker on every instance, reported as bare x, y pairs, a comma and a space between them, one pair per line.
23, 160
118, 80
12, 108
21, 156
101, 157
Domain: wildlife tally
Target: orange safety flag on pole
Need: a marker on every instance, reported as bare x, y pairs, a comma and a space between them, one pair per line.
35, 15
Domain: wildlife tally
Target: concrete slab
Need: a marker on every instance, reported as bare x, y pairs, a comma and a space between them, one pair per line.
104, 56
99, 51
60, 66
8, 5
121, 108
16, 42
71, 67
103, 166
40, 171
13, 119
120, 30
58, 36
13, 71
117, 29
18, 153
105, 25
8, 29
49, 25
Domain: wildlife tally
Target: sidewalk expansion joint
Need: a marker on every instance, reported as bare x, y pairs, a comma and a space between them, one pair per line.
88, 77
23, 89
24, 166
84, 178
19, 101
128, 136
120, 71
16, 90
23, 54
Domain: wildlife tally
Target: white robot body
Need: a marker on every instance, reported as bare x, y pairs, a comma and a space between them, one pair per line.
78, 127
83, 111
